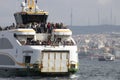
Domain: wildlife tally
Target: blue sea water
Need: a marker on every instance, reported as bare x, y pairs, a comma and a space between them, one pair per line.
94, 29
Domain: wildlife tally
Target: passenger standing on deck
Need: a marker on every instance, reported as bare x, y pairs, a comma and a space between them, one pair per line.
30, 25
48, 27
13, 25
61, 25
39, 28
57, 25
0, 28
42, 28
52, 26
34, 26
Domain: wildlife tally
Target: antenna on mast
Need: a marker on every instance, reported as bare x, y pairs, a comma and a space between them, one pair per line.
99, 17
111, 16
71, 17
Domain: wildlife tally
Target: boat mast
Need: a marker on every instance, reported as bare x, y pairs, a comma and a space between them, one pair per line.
31, 4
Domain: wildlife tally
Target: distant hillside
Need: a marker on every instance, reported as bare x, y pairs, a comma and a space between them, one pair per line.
93, 29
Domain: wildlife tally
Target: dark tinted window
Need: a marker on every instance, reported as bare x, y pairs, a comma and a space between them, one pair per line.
5, 44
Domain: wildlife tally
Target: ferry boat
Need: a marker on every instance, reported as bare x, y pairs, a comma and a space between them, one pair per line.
31, 48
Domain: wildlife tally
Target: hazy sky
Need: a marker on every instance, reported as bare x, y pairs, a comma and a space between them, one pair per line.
85, 12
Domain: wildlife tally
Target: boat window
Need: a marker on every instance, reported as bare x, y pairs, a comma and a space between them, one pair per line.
5, 44
23, 39
68, 42
6, 60
33, 18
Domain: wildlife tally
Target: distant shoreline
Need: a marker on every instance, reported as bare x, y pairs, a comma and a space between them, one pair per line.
95, 29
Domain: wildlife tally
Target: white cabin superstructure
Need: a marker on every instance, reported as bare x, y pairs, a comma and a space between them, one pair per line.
24, 48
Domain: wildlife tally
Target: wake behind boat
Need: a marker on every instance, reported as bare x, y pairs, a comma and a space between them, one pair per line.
36, 47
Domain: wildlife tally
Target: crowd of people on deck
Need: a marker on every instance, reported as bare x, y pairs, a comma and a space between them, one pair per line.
41, 28
38, 27
8, 27
48, 42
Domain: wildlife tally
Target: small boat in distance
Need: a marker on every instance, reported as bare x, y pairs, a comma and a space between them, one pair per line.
106, 57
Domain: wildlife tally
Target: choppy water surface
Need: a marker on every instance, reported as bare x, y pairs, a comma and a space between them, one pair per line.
88, 70
99, 70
